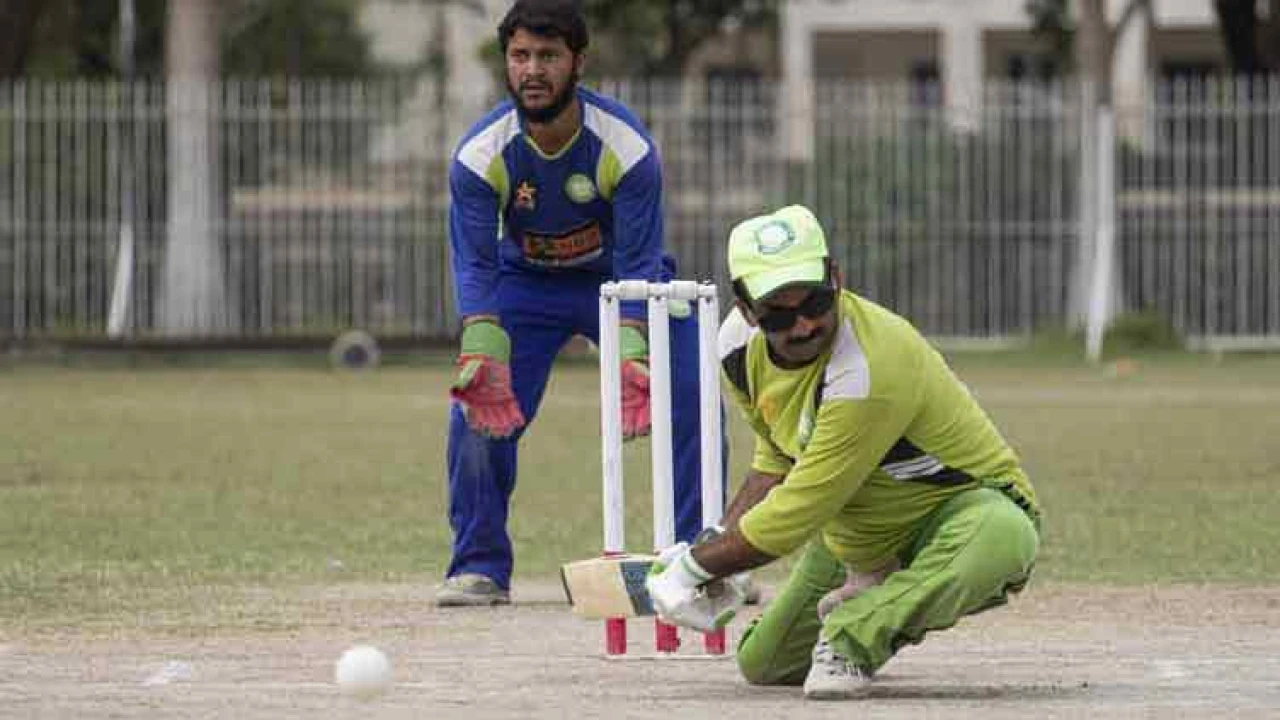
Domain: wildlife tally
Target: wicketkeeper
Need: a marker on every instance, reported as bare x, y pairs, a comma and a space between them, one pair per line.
871, 456
555, 191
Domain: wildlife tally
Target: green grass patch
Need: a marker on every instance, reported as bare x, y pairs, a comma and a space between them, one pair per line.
118, 481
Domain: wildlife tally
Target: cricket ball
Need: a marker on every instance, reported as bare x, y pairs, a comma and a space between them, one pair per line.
363, 672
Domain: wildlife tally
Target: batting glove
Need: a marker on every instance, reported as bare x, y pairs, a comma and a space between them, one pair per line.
685, 594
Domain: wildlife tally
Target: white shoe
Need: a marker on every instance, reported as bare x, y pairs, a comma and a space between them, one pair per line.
471, 590
832, 677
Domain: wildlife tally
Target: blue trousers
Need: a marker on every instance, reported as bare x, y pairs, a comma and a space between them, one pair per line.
541, 315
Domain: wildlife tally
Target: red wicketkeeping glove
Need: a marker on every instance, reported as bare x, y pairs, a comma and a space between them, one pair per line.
483, 387
635, 399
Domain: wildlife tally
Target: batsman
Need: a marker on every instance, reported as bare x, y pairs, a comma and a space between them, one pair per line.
871, 458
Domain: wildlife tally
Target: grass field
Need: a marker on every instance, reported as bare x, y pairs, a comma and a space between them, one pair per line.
127, 486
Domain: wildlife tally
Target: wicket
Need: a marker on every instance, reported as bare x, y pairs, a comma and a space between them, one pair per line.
659, 297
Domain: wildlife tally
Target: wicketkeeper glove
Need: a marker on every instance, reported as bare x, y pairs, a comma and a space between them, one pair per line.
685, 594
483, 386
636, 413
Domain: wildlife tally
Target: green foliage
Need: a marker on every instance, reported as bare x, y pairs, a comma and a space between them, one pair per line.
296, 38
1141, 330
1051, 21
79, 38
648, 37
880, 168
881, 174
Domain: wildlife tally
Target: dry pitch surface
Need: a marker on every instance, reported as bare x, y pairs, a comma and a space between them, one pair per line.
1059, 651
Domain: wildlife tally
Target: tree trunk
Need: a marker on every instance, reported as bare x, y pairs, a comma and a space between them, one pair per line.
1269, 39
193, 294
1093, 66
1238, 21
18, 20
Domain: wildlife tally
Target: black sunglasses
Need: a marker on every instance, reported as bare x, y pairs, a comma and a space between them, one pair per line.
776, 319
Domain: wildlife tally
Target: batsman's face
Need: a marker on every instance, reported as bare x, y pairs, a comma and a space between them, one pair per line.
799, 323
542, 73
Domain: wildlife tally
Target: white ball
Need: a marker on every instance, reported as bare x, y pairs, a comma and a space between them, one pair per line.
363, 672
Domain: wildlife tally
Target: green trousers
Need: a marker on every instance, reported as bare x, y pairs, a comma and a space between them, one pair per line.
971, 552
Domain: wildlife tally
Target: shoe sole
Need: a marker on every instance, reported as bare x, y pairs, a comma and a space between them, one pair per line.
472, 601
836, 694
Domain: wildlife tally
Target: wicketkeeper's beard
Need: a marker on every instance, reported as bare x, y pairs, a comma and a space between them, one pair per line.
546, 114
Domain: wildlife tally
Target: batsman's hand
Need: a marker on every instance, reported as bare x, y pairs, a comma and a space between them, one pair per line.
684, 594
636, 413
483, 386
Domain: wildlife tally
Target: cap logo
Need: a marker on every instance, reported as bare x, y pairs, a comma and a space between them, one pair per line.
773, 237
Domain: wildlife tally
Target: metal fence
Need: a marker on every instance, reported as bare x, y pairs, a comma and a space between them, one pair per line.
304, 208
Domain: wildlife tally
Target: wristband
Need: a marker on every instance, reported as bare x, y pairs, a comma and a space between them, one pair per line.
688, 572
632, 343
486, 338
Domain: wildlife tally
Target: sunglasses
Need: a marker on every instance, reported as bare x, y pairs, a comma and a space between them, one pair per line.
818, 303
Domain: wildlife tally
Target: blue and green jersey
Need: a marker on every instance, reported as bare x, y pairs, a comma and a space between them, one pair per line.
592, 209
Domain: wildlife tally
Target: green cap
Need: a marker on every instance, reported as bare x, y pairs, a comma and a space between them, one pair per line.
782, 248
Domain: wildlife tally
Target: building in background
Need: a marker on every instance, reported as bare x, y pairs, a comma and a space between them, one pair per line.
959, 45
444, 40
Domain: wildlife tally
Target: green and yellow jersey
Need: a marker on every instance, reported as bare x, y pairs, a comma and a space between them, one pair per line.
871, 436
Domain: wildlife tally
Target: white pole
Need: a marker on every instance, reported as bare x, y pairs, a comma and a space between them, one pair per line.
124, 251
709, 404
664, 534
1104, 245
611, 425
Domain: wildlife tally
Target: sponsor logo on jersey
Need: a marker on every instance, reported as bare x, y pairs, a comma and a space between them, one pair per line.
526, 195
574, 247
580, 189
804, 429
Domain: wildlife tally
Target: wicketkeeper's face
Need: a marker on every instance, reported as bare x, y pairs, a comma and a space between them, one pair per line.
541, 74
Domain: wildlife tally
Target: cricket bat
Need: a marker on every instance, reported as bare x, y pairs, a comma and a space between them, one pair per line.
608, 587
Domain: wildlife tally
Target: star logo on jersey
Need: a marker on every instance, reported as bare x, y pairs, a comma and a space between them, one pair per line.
526, 195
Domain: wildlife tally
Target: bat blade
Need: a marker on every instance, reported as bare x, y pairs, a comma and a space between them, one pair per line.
608, 587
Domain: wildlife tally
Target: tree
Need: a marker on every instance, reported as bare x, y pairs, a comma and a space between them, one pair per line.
296, 38
77, 38
656, 37
1093, 287
192, 296
1252, 44
18, 22
72, 37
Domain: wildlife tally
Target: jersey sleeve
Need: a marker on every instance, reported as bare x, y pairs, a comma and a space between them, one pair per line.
473, 239
849, 440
